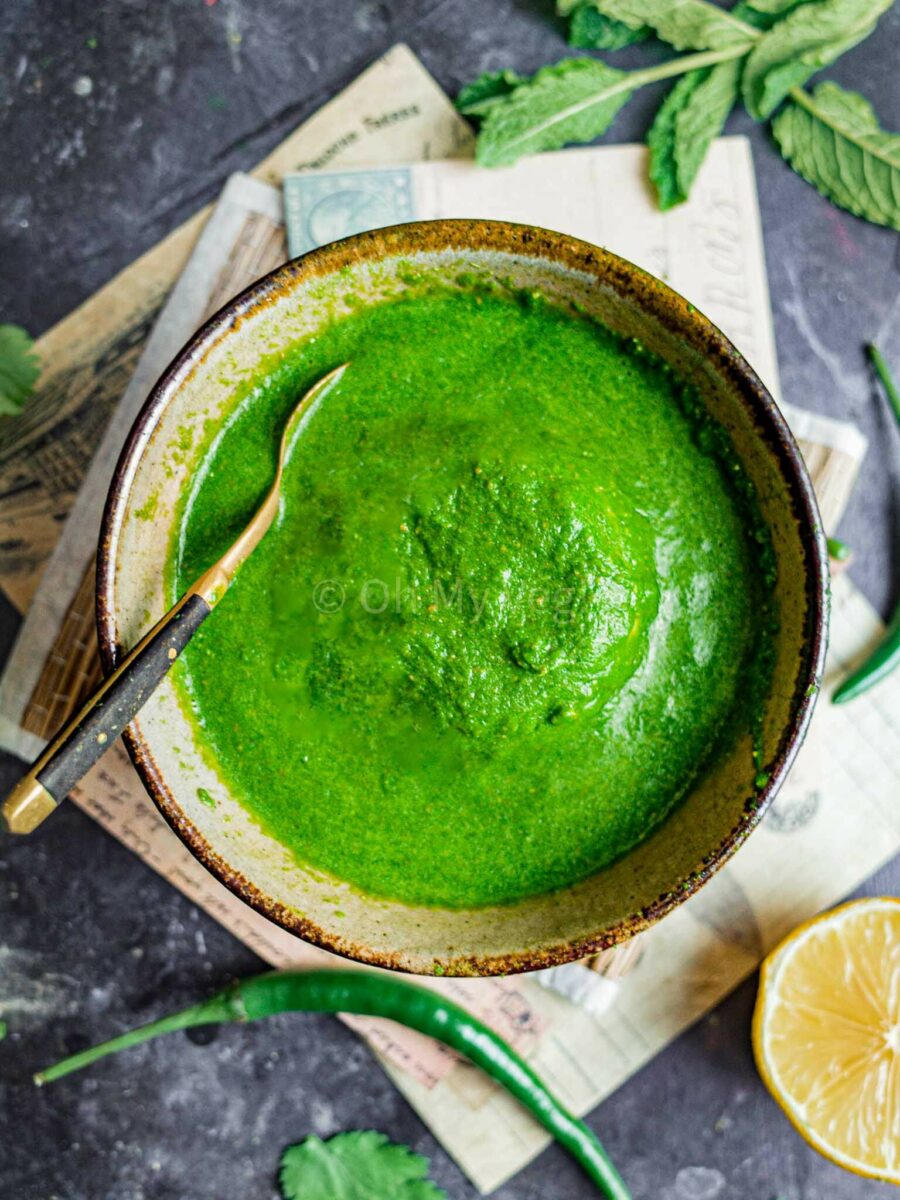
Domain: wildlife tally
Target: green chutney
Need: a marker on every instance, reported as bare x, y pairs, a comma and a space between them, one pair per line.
509, 612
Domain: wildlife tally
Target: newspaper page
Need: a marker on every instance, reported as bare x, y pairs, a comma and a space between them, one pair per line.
831, 822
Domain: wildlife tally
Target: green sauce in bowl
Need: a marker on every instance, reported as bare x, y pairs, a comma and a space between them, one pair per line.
516, 600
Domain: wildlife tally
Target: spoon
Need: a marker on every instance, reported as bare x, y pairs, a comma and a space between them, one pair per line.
90, 733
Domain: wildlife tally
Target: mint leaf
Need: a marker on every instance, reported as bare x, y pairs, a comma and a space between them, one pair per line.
476, 98
810, 37
688, 120
661, 140
774, 8
763, 14
19, 369
832, 138
700, 120
355, 1166
590, 29
684, 24
573, 101
696, 109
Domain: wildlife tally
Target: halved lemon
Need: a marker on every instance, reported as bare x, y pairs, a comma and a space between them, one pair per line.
826, 1034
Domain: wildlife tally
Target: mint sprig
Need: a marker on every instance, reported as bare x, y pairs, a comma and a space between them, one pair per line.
762, 51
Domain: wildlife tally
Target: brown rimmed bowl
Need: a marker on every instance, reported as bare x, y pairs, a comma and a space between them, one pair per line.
155, 470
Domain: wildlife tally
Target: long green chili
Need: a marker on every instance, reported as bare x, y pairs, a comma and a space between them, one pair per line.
372, 995
882, 370
886, 655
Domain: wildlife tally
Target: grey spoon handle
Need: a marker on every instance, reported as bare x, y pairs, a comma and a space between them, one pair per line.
93, 730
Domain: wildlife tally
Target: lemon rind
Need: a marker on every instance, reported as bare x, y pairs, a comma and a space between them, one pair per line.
769, 970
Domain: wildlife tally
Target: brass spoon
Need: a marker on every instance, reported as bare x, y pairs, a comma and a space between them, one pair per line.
89, 735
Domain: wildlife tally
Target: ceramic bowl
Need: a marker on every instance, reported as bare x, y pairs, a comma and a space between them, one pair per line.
724, 806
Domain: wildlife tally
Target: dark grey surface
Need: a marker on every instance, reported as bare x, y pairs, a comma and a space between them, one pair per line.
90, 939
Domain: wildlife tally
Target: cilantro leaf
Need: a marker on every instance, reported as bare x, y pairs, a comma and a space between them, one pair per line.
832, 138
19, 369
810, 37
355, 1166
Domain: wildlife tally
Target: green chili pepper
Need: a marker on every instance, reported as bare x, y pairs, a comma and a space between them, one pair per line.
374, 995
886, 655
882, 370
883, 659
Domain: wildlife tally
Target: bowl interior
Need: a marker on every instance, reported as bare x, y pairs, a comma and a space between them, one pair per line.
156, 469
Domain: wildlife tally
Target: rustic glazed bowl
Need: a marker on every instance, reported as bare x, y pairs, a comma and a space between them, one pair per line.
155, 470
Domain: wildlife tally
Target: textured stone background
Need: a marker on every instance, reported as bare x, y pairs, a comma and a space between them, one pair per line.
182, 93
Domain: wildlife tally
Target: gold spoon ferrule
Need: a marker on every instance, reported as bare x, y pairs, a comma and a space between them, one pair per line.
27, 805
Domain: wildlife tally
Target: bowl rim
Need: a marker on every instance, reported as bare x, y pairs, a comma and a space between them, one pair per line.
675, 313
